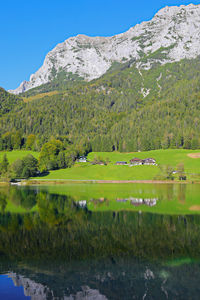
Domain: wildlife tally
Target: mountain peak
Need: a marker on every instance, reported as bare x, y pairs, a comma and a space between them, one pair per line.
173, 34
171, 10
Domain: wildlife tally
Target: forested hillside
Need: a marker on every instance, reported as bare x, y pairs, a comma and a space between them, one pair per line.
8, 102
127, 109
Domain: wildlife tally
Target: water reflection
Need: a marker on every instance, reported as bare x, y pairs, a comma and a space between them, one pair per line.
105, 279
182, 193
52, 225
139, 201
90, 242
132, 200
117, 197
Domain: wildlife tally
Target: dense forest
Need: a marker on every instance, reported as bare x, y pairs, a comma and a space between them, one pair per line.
127, 109
9, 102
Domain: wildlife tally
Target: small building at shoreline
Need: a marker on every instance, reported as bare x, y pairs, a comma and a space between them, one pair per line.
82, 159
139, 162
121, 163
136, 162
149, 162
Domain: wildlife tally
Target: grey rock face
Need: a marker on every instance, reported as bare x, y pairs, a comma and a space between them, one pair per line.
174, 31
35, 290
38, 291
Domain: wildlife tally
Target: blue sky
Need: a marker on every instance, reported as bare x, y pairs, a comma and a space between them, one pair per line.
30, 29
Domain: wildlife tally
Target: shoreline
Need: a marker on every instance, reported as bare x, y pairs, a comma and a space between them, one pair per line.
90, 181
72, 181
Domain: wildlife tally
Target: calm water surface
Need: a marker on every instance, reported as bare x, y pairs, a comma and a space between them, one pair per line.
90, 241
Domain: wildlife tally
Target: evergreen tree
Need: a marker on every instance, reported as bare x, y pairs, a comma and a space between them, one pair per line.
4, 164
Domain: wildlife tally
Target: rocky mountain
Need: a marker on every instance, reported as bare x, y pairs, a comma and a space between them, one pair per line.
173, 34
31, 289
37, 291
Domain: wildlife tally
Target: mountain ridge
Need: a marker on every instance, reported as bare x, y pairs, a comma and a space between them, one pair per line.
173, 33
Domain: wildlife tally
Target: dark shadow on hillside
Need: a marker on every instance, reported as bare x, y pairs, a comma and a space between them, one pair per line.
43, 174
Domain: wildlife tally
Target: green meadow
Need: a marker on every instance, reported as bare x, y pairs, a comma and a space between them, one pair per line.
163, 157
86, 171
17, 154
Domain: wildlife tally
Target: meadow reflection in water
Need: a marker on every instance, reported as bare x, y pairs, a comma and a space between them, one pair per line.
36, 222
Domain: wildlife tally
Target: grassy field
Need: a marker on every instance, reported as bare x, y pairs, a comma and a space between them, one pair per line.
40, 96
163, 157
13, 155
86, 171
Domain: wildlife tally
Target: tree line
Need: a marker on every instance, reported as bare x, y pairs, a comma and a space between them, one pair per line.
55, 154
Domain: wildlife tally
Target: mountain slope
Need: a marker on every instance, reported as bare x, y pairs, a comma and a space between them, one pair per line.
8, 102
126, 110
173, 34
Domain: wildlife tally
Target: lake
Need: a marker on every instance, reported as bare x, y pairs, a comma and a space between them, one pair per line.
100, 241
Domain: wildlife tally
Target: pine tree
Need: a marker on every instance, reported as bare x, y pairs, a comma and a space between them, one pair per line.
4, 164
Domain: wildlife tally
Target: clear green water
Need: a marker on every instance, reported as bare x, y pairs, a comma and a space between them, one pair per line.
169, 198
154, 198
106, 241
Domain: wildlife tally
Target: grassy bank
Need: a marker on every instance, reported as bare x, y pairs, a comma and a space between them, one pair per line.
86, 171
17, 154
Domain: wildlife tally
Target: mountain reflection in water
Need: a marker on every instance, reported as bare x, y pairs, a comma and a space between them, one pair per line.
106, 279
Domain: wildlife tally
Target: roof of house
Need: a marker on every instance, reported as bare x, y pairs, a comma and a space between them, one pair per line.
136, 159
149, 159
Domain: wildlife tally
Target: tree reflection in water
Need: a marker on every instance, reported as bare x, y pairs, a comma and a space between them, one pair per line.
59, 228
58, 249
